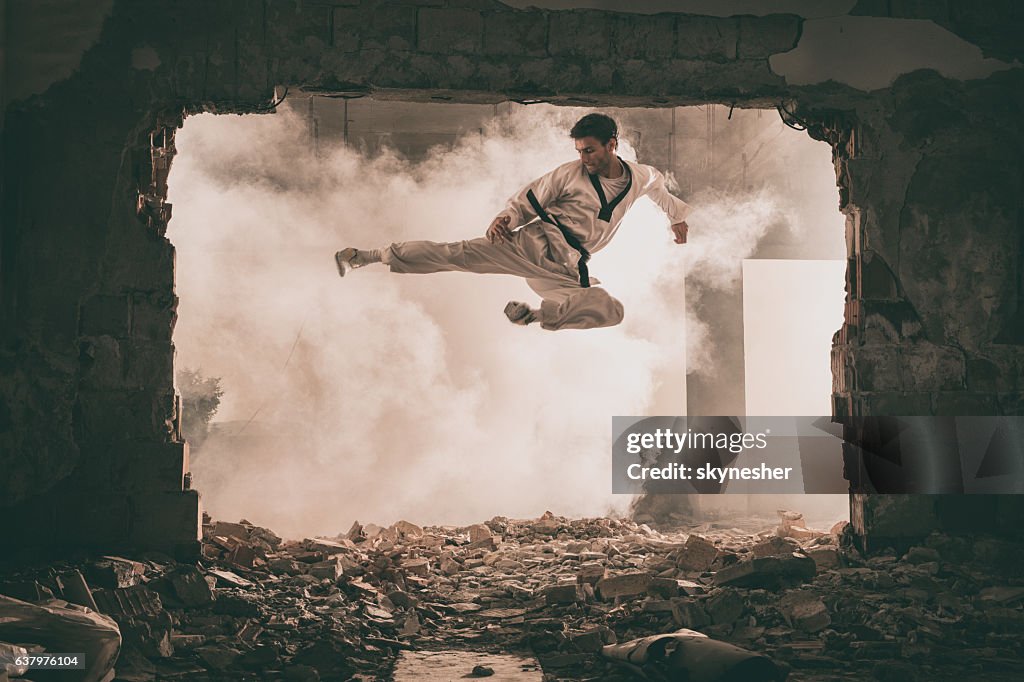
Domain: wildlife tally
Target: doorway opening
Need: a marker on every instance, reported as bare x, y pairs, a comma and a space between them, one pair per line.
383, 398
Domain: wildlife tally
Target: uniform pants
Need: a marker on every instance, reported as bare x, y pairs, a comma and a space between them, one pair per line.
537, 253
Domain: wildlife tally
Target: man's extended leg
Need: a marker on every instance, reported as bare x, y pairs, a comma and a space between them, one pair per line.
526, 255
575, 307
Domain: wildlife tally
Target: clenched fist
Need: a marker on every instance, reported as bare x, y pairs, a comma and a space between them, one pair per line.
499, 231
679, 230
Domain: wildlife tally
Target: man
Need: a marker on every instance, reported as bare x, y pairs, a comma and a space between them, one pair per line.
547, 233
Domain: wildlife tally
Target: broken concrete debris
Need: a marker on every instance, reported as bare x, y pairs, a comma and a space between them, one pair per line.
560, 593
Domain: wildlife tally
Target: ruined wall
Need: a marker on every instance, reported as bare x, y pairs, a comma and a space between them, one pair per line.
89, 423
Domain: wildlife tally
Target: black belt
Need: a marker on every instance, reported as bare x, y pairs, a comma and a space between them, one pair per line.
569, 237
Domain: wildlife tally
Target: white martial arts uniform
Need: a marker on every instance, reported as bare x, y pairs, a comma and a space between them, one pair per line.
539, 252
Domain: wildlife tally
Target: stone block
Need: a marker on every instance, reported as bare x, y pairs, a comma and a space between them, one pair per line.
964, 403
666, 588
293, 22
170, 522
623, 585
697, 554
234, 530
776, 546
382, 26
153, 317
895, 516
106, 316
330, 569
876, 367
583, 33
146, 466
824, 557
690, 614
478, 532
591, 573
191, 587
804, 611
724, 608
591, 640
990, 374
893, 403
114, 572
416, 566
563, 594
103, 363
519, 34
929, 367
763, 36
130, 602
648, 37
252, 53
772, 573
712, 38
450, 31
149, 365
125, 414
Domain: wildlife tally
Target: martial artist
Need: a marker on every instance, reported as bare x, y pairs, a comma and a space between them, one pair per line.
547, 233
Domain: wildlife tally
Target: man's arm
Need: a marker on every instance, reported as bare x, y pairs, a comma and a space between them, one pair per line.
518, 211
676, 209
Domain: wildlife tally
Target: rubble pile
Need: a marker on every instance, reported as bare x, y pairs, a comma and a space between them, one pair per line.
257, 607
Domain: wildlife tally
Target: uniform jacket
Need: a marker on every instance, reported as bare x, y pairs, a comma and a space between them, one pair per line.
568, 195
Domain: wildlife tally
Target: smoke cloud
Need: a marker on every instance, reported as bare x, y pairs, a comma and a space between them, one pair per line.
379, 396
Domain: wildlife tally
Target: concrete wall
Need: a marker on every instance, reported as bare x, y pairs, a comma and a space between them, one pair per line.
89, 422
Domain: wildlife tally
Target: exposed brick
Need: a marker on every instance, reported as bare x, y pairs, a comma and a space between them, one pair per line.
764, 36
450, 30
580, 34
644, 37
706, 37
106, 315
516, 33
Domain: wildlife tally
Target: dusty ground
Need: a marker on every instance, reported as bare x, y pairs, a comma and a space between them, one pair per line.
556, 591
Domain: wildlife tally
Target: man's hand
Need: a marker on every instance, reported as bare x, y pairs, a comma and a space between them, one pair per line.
499, 232
679, 230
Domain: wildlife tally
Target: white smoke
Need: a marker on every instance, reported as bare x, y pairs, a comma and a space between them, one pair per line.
382, 396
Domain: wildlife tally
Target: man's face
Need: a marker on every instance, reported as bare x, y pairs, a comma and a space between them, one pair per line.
596, 157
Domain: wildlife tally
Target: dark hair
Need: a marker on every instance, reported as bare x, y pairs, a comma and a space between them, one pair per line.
595, 125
